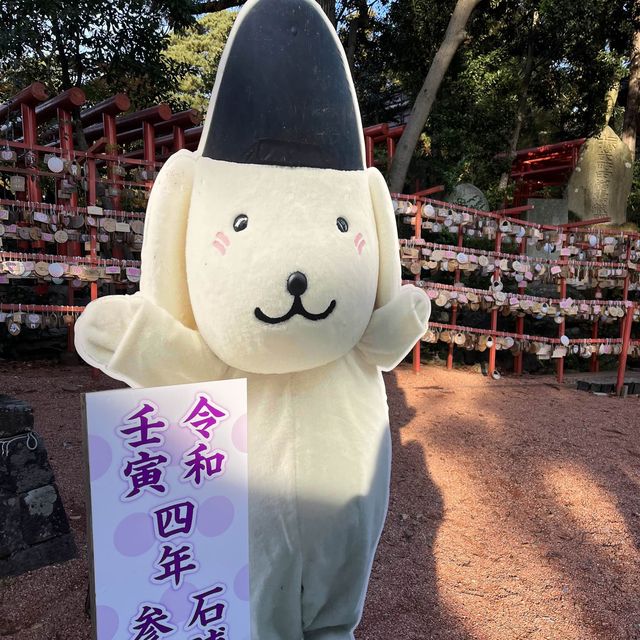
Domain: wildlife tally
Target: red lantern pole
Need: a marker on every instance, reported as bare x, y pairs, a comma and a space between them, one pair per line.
418, 235
454, 309
627, 323
494, 312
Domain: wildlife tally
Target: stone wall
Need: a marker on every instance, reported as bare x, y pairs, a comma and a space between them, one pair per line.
34, 530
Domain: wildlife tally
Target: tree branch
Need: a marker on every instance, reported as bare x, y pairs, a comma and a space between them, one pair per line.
62, 54
453, 38
629, 126
357, 25
215, 5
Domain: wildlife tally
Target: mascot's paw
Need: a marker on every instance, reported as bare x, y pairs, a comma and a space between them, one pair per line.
417, 302
396, 327
102, 326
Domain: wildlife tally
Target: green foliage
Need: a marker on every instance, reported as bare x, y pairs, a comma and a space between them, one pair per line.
369, 82
576, 50
157, 51
103, 45
197, 51
633, 204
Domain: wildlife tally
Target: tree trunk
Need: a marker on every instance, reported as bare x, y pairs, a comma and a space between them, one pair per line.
523, 98
62, 55
453, 37
630, 125
329, 7
80, 139
356, 27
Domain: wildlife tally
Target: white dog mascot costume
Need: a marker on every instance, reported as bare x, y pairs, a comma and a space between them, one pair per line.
271, 253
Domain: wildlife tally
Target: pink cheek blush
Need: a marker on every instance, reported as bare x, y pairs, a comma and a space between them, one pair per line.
359, 241
221, 242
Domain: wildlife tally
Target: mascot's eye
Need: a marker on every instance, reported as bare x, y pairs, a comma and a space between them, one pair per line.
240, 223
343, 225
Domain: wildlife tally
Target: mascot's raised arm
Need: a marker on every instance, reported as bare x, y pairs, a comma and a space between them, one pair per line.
271, 254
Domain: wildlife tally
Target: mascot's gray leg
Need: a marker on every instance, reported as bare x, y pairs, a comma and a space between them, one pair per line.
336, 573
275, 558
276, 571
339, 543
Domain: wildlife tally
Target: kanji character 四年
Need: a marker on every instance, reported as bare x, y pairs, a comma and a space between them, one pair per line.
174, 563
175, 519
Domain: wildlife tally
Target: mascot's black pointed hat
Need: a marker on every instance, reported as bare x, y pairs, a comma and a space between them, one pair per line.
283, 94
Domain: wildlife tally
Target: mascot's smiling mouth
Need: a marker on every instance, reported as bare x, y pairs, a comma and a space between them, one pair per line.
296, 308
296, 286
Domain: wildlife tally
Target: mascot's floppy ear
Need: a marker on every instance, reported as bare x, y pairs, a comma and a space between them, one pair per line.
164, 278
389, 273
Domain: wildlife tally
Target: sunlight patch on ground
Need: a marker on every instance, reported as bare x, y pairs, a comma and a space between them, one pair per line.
576, 491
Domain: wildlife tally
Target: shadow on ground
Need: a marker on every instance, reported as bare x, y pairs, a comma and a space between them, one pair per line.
403, 599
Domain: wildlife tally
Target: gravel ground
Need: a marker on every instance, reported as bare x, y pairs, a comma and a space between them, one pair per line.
515, 511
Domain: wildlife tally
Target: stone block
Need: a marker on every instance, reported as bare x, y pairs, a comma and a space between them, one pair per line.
34, 530
28, 467
551, 211
42, 515
16, 417
11, 539
602, 179
49, 552
7, 485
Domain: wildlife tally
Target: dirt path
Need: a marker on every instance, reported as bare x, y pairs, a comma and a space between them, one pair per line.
515, 512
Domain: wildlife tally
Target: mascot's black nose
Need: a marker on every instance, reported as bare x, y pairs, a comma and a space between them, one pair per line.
297, 283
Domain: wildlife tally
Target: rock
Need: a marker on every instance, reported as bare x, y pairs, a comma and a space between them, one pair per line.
28, 468
7, 485
34, 530
470, 196
16, 417
602, 179
40, 555
10, 531
42, 515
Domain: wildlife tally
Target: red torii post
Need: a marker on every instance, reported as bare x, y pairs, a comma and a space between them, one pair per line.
144, 119
594, 365
178, 124
418, 235
625, 329
61, 105
171, 134
103, 115
191, 140
503, 214
26, 100
381, 133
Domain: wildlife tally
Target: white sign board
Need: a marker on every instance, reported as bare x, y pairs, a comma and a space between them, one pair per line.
169, 512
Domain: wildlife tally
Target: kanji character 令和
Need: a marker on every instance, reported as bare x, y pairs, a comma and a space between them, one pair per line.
204, 415
197, 464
